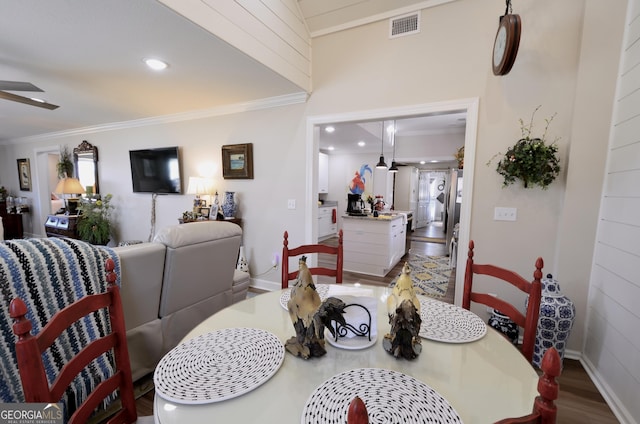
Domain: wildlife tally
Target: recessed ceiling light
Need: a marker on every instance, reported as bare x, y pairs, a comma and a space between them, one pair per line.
156, 64
435, 161
329, 129
361, 143
35, 99
331, 148
422, 162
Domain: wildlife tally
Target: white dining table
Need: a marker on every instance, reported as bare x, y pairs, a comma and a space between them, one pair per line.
484, 380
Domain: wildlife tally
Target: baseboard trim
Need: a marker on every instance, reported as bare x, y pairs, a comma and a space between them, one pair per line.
609, 396
265, 285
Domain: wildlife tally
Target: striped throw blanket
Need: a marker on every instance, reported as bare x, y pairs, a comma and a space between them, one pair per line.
49, 274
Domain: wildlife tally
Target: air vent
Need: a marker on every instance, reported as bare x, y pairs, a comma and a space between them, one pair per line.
404, 25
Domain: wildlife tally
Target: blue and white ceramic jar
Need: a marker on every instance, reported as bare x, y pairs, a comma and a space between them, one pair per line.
503, 324
229, 204
557, 314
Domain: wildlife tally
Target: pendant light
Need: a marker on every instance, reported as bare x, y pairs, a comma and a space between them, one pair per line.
381, 164
394, 167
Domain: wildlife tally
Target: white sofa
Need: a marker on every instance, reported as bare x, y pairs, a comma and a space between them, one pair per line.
173, 283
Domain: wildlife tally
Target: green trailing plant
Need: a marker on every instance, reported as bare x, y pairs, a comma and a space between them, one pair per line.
531, 160
459, 155
94, 223
65, 163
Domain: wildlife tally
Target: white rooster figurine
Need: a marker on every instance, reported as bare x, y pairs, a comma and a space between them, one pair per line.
403, 308
310, 315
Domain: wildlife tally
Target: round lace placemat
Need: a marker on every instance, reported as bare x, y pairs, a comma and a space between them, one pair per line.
444, 322
219, 365
322, 289
390, 397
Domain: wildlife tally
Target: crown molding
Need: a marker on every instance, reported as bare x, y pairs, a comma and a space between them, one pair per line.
271, 102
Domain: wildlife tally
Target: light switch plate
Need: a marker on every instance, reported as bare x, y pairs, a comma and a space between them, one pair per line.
505, 214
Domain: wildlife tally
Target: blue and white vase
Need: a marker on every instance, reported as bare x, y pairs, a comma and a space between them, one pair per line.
557, 314
503, 324
229, 205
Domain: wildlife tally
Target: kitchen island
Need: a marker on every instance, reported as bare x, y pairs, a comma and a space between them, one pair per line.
373, 245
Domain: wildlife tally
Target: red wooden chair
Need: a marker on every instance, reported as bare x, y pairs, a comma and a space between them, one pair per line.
544, 407
29, 349
307, 249
533, 289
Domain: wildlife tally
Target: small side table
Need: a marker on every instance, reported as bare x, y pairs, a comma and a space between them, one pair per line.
61, 226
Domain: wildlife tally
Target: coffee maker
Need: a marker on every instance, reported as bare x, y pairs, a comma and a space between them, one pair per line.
354, 204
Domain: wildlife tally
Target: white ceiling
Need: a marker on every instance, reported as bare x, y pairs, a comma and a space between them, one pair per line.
87, 57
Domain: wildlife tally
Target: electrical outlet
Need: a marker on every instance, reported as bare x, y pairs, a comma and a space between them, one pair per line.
291, 204
505, 214
275, 260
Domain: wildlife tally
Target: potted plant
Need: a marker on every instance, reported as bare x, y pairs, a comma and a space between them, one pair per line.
459, 155
94, 223
65, 163
531, 160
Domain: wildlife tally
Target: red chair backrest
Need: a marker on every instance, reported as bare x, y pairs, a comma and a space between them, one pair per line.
533, 288
29, 350
308, 249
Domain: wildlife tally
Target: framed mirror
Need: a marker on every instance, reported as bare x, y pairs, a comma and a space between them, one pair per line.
85, 158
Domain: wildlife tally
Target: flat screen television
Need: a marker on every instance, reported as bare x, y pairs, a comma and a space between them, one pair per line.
156, 170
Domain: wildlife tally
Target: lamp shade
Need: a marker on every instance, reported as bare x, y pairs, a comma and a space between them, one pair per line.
69, 186
200, 185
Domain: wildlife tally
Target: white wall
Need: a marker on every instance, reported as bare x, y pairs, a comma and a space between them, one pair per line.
559, 66
612, 345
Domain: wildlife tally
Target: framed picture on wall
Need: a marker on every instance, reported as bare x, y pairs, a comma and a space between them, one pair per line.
24, 174
237, 161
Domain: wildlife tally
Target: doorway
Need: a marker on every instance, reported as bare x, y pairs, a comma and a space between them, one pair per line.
468, 106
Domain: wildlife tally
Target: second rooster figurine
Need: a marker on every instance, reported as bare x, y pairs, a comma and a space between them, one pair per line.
403, 308
310, 315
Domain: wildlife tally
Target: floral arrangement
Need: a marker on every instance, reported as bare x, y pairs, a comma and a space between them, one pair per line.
94, 223
531, 160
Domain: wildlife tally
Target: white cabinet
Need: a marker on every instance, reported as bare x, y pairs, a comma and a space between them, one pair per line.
327, 225
373, 245
323, 173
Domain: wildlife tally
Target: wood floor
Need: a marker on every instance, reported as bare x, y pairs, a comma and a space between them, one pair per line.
579, 401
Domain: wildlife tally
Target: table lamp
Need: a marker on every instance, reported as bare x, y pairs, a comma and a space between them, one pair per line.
70, 186
200, 186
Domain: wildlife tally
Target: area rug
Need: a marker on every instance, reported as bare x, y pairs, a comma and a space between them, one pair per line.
428, 239
430, 274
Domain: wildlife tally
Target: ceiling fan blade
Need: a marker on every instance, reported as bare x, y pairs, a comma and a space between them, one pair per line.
26, 100
18, 86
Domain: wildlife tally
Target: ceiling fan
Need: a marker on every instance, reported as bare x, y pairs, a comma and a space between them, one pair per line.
23, 86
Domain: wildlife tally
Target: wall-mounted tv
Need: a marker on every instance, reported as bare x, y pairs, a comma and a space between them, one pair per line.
156, 170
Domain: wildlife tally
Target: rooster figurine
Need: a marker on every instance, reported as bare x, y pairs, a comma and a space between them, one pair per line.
403, 308
310, 316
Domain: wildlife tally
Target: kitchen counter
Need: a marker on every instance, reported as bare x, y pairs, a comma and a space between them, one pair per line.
373, 245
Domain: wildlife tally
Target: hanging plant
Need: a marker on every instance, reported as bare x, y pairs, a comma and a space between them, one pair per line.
531, 160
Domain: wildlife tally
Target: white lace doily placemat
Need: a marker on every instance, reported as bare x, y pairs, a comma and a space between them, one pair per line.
219, 365
322, 289
390, 397
444, 322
